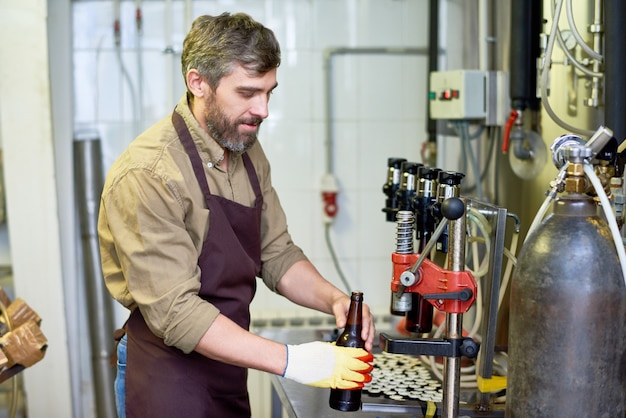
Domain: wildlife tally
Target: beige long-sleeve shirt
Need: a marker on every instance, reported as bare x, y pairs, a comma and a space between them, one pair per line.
153, 220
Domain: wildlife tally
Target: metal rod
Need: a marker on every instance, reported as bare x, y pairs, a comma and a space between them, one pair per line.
452, 370
454, 323
490, 307
433, 63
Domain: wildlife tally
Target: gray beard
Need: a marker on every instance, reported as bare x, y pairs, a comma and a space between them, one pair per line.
236, 142
225, 132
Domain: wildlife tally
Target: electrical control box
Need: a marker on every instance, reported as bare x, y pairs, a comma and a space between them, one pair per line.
458, 94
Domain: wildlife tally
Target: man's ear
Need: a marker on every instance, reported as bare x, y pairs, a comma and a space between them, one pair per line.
194, 83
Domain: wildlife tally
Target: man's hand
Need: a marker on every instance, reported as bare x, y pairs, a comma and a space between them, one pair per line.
340, 310
303, 285
326, 365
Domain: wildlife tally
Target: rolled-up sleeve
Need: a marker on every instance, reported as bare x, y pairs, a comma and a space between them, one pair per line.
149, 259
154, 219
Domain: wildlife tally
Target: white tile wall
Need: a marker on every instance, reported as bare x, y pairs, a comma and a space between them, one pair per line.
379, 105
379, 112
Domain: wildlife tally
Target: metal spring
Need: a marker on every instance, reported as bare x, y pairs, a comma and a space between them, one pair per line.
405, 220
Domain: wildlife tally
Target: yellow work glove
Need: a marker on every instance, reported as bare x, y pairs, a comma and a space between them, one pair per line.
325, 365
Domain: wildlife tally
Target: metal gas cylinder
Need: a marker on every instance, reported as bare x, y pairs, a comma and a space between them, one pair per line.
566, 327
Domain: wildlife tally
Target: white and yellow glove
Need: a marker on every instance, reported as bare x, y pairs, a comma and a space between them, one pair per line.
325, 365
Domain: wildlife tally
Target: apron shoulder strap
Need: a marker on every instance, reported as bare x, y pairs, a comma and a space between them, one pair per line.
190, 147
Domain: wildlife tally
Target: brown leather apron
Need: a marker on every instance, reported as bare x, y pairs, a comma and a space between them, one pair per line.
162, 381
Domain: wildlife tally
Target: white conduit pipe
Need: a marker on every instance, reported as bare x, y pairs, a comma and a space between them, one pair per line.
329, 140
579, 39
546, 203
329, 54
188, 14
545, 71
139, 53
610, 217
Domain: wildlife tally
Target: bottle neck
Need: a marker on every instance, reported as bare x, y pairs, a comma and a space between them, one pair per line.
355, 313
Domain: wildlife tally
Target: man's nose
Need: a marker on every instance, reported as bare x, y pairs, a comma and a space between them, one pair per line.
259, 107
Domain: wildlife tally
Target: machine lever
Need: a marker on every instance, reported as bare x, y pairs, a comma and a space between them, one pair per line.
452, 209
463, 295
429, 246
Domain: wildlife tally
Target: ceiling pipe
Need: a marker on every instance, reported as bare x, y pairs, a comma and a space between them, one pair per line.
526, 20
433, 64
331, 53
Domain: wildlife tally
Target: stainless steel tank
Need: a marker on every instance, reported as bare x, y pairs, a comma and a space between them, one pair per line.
568, 307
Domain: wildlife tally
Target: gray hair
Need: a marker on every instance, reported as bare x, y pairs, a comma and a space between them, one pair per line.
215, 43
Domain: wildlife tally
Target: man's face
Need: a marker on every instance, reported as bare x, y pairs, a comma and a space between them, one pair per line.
234, 112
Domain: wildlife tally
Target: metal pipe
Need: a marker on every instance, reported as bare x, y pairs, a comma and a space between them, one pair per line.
433, 62
492, 296
487, 39
171, 65
454, 322
525, 30
139, 57
89, 182
188, 14
329, 54
452, 370
596, 29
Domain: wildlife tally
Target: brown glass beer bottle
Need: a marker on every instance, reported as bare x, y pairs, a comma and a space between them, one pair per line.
350, 399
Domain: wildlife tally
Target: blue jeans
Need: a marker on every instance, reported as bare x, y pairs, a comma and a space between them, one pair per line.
120, 379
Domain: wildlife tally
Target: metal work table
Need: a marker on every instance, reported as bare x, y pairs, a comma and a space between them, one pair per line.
301, 401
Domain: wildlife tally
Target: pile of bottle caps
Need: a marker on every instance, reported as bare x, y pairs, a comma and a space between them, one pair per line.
401, 377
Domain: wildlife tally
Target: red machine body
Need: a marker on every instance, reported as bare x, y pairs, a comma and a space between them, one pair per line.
433, 279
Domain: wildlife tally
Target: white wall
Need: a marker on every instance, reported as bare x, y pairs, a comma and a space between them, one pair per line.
379, 111
30, 176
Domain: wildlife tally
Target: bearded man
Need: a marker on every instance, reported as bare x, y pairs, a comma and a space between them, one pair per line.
188, 220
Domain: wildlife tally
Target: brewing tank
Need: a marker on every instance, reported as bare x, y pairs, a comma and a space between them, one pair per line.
567, 313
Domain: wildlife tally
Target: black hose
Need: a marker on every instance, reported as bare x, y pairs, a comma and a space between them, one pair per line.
526, 22
433, 62
615, 63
